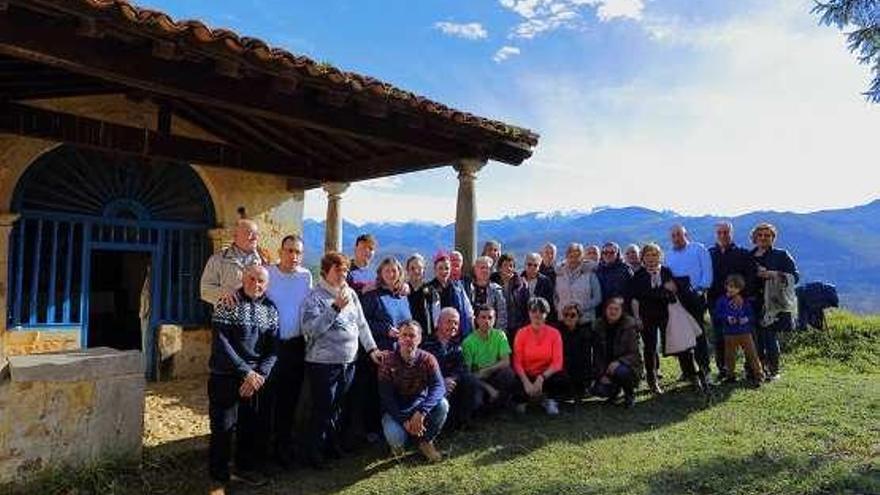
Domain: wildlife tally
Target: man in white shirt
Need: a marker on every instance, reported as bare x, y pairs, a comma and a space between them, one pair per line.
691, 266
291, 283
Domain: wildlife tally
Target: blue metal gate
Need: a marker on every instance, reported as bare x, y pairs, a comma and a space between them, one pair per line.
72, 202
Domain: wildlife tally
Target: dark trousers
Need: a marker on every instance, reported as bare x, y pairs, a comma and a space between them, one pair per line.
285, 385
503, 381
695, 304
623, 378
329, 384
577, 348
464, 400
361, 413
718, 340
555, 387
650, 333
247, 418
687, 361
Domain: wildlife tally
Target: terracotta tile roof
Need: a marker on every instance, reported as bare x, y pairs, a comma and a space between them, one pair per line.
272, 59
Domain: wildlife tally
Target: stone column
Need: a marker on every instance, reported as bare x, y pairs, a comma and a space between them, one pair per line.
333, 225
466, 210
6, 222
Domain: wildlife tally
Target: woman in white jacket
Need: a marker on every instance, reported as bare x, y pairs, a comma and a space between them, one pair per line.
576, 283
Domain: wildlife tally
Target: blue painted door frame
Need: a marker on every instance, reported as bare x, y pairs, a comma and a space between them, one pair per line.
150, 355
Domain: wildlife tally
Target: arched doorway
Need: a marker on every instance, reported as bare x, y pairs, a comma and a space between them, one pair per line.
109, 245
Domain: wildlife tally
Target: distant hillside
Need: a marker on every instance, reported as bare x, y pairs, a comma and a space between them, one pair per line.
838, 246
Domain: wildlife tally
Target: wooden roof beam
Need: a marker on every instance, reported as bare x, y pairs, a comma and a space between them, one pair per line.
91, 133
52, 45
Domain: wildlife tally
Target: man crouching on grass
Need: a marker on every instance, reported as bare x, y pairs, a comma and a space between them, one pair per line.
242, 356
412, 392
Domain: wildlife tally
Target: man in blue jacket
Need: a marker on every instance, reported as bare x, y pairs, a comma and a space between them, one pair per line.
243, 351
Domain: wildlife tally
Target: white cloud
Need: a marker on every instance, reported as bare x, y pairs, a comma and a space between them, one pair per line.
769, 116
468, 31
541, 16
504, 53
363, 203
613, 9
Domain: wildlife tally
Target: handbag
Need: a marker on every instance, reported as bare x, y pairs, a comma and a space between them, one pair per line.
682, 330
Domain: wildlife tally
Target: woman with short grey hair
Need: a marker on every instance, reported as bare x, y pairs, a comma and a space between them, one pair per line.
333, 324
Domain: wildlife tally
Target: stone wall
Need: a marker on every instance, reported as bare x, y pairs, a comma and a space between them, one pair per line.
192, 358
265, 198
71, 408
21, 342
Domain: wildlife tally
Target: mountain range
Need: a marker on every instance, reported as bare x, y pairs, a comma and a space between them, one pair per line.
833, 246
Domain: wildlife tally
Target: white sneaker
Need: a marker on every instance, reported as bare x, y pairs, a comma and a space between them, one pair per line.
551, 407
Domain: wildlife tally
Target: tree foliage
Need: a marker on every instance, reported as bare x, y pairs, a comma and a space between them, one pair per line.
861, 19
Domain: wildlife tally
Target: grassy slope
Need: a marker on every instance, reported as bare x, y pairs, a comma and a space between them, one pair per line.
816, 431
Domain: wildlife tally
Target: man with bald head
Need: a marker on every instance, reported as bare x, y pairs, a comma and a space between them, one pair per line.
463, 390
243, 353
691, 268
222, 275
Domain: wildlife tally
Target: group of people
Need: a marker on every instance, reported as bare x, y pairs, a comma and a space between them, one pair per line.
388, 353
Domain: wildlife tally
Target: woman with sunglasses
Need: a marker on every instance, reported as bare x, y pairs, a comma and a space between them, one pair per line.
614, 275
576, 349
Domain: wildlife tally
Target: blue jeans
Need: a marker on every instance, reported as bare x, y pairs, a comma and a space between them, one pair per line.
398, 437
328, 384
622, 378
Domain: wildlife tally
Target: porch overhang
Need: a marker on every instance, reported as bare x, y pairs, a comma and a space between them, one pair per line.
271, 111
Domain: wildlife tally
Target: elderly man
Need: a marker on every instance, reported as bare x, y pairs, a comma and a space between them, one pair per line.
691, 268
462, 388
412, 391
492, 249
727, 259
539, 285
222, 275
456, 262
632, 257
243, 347
548, 262
291, 284
481, 290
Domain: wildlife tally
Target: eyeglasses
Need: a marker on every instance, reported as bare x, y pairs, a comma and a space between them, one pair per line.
609, 252
570, 315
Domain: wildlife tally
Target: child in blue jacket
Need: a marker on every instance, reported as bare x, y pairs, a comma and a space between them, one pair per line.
736, 316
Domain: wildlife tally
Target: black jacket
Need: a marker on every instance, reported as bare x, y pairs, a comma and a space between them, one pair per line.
545, 288
653, 302
614, 279
724, 263
617, 342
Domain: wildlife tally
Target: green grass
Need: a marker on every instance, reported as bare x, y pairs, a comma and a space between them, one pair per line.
817, 431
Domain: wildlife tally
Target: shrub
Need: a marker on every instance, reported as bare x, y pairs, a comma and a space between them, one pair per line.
850, 340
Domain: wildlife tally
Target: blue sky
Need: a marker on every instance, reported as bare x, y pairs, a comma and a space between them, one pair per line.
698, 106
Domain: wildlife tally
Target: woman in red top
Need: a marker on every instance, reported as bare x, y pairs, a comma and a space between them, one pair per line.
537, 361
